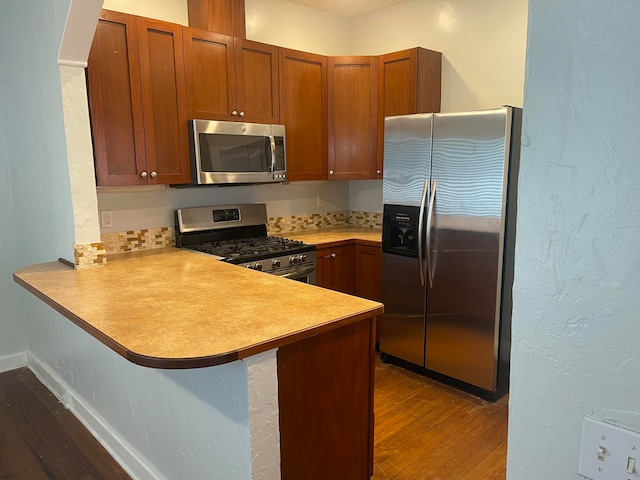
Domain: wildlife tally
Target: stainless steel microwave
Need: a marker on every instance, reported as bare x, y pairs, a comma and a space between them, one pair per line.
226, 153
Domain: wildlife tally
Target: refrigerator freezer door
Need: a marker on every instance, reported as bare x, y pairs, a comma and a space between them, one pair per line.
469, 160
407, 152
402, 325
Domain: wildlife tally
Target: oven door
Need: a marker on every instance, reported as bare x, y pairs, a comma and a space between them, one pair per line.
304, 273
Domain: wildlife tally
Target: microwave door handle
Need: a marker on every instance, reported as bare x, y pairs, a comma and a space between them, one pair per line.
273, 152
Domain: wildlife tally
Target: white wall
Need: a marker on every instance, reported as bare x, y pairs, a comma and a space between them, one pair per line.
290, 25
13, 338
576, 292
483, 45
35, 211
133, 209
168, 10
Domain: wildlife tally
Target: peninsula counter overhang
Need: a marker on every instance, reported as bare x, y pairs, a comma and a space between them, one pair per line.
170, 308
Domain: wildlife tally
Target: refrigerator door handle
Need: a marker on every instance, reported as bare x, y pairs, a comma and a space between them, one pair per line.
432, 201
420, 217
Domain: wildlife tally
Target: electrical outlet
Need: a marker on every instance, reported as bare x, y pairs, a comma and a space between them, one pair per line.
106, 220
608, 451
320, 200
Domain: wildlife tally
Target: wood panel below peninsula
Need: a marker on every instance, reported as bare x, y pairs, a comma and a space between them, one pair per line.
171, 308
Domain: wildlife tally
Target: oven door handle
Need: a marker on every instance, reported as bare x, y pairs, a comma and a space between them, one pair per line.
299, 273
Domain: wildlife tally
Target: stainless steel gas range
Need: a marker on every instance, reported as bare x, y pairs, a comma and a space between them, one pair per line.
238, 234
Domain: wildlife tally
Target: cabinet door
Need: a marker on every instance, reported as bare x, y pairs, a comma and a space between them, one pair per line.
164, 101
115, 101
210, 72
223, 16
353, 118
303, 110
336, 272
258, 98
410, 82
368, 276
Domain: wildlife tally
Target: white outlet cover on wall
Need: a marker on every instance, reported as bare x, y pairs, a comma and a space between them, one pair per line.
608, 452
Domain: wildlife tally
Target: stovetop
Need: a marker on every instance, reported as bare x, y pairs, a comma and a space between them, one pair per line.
243, 250
237, 234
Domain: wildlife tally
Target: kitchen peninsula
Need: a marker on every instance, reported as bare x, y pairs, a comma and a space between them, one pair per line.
173, 309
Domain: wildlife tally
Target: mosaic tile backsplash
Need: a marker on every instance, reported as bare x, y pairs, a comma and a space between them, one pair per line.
135, 240
87, 255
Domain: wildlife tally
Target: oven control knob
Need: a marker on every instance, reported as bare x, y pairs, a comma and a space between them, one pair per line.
293, 260
276, 263
258, 266
302, 258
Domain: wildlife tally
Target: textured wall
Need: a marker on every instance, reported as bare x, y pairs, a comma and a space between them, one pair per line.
576, 293
35, 202
12, 332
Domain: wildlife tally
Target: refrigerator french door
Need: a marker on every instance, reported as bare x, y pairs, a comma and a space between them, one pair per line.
447, 295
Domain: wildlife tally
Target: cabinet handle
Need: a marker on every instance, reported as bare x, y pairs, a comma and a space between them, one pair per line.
330, 172
154, 174
144, 174
234, 113
378, 172
242, 114
333, 255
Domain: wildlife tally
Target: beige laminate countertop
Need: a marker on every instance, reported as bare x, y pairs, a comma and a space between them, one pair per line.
170, 308
328, 237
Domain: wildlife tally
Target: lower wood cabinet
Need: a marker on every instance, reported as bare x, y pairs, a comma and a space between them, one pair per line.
325, 395
335, 268
352, 268
368, 275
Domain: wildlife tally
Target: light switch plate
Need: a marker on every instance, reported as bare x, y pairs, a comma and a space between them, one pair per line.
607, 450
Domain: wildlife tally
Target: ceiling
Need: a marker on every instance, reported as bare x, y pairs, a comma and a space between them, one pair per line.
348, 8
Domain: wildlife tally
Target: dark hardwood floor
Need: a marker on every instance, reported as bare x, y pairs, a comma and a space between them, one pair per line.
428, 431
41, 440
424, 431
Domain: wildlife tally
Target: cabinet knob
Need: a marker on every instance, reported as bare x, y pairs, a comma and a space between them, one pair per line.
144, 174
154, 174
333, 255
234, 113
378, 172
330, 172
242, 114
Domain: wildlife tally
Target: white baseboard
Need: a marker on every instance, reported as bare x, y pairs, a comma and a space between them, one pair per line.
11, 362
117, 447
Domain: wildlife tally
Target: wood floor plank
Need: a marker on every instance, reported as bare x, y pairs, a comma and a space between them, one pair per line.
41, 439
426, 430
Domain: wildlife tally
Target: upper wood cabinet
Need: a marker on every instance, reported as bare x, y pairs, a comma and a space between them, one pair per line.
410, 82
221, 16
353, 118
303, 111
137, 101
230, 79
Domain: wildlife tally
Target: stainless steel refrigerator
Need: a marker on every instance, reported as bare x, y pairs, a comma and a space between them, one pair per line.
449, 195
